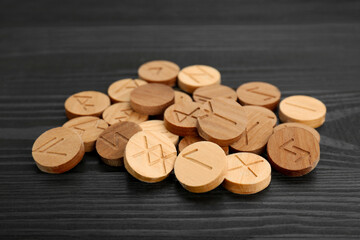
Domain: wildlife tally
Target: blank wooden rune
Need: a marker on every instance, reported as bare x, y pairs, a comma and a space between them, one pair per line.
181, 118
120, 90
87, 103
302, 109
258, 130
300, 125
221, 121
150, 156
58, 150
121, 112
201, 167
293, 151
259, 94
204, 94
89, 129
152, 99
193, 77
159, 71
158, 126
188, 140
112, 142
247, 173
182, 97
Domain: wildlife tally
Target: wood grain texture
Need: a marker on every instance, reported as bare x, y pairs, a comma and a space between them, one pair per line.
49, 50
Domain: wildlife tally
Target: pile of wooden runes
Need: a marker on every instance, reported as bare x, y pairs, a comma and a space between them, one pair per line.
216, 120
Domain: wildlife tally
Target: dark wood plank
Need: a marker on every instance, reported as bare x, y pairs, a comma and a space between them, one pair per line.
49, 50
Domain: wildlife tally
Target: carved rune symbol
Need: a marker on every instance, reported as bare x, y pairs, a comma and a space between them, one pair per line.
196, 77
129, 85
154, 154
181, 116
93, 123
83, 101
300, 106
266, 95
114, 142
125, 114
290, 147
47, 146
247, 166
247, 130
211, 112
186, 155
155, 70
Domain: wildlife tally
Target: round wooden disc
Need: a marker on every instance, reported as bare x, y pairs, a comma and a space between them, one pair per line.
204, 94
221, 121
182, 97
193, 77
293, 151
150, 156
158, 126
265, 111
159, 71
152, 99
247, 173
259, 94
181, 118
258, 131
120, 90
201, 167
302, 109
112, 142
87, 103
121, 112
300, 125
58, 150
89, 128
188, 140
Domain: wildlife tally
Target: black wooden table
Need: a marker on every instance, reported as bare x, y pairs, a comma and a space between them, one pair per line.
52, 49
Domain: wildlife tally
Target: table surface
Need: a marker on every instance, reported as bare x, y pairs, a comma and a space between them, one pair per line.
50, 50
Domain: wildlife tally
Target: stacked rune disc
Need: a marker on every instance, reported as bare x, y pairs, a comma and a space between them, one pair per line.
142, 122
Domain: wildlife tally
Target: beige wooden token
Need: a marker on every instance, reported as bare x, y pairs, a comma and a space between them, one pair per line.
201, 167
302, 109
268, 114
258, 130
247, 173
188, 140
182, 97
158, 126
193, 77
293, 151
58, 150
204, 94
121, 112
152, 99
112, 142
259, 94
181, 118
120, 90
159, 71
89, 129
221, 121
87, 103
300, 125
149, 156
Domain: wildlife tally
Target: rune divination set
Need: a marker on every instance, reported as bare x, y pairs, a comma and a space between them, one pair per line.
216, 120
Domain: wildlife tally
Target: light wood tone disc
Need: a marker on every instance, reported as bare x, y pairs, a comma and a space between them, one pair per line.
259, 94
89, 128
188, 140
120, 90
221, 121
302, 109
159, 71
204, 94
112, 142
201, 167
158, 126
58, 150
150, 156
121, 112
247, 173
87, 103
293, 151
193, 77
